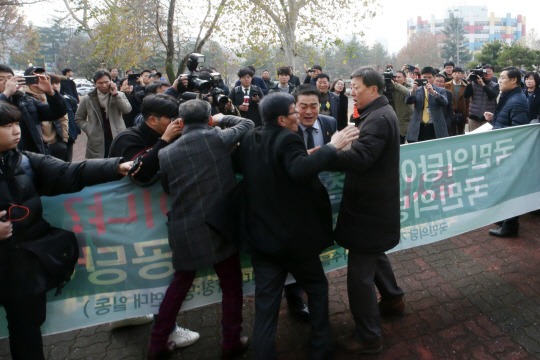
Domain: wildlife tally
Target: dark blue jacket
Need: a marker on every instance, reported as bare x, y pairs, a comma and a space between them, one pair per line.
73, 128
33, 113
258, 81
512, 110
534, 103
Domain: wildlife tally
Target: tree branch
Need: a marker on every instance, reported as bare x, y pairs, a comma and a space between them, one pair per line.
82, 22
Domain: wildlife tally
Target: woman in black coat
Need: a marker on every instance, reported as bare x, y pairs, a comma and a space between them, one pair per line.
338, 87
532, 92
24, 178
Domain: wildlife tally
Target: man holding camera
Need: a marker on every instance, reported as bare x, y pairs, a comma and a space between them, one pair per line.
284, 75
100, 115
197, 172
246, 97
311, 74
483, 93
428, 121
400, 89
34, 111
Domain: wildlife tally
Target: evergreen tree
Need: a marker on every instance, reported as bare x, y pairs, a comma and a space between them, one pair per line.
455, 39
490, 54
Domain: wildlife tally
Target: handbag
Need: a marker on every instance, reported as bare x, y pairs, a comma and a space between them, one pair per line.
44, 264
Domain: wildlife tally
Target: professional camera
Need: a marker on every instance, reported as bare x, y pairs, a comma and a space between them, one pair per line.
219, 97
194, 83
388, 76
310, 70
186, 96
216, 79
476, 72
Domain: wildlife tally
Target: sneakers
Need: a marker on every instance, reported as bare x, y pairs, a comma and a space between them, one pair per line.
183, 337
134, 321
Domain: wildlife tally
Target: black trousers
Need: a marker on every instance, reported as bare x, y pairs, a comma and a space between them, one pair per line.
25, 317
365, 271
427, 132
270, 277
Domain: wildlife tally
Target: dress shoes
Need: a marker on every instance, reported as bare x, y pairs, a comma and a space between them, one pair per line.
350, 345
503, 231
164, 353
393, 306
298, 307
227, 354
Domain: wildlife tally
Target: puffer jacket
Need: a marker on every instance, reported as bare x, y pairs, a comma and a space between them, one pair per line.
512, 109
89, 120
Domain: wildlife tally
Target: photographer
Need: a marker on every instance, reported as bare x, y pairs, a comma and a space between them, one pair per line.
25, 176
33, 111
311, 75
427, 121
483, 93
246, 97
100, 115
400, 89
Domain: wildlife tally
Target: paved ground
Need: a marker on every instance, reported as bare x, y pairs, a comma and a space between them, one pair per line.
469, 297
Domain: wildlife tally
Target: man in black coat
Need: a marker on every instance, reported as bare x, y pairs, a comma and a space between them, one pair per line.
24, 177
254, 93
369, 217
68, 86
288, 221
295, 80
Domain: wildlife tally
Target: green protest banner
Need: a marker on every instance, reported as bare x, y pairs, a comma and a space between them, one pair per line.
448, 187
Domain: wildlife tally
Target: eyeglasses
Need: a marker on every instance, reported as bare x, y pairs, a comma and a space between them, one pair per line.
295, 112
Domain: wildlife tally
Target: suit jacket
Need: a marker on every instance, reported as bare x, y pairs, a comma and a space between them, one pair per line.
287, 212
295, 80
257, 81
437, 107
334, 104
328, 128
237, 98
448, 114
197, 172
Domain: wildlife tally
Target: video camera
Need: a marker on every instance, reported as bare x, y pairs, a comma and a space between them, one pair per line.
194, 83
388, 76
476, 72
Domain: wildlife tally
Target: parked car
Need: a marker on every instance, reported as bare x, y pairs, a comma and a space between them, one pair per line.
84, 90
82, 82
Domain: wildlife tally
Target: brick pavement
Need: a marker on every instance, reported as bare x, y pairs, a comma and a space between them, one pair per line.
472, 296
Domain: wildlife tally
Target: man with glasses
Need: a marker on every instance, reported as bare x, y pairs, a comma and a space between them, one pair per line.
288, 220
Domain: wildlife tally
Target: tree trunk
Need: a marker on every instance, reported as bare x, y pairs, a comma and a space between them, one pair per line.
170, 42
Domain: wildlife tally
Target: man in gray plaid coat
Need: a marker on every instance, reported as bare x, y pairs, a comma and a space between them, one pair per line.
197, 172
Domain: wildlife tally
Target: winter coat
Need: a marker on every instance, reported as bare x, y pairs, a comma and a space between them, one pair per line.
196, 171
369, 215
484, 98
512, 109
403, 111
534, 103
89, 119
462, 105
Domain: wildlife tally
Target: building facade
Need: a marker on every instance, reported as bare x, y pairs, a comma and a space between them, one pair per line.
479, 26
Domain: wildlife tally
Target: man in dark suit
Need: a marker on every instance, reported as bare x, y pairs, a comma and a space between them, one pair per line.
254, 93
287, 221
315, 129
427, 121
197, 172
258, 81
368, 224
449, 113
329, 104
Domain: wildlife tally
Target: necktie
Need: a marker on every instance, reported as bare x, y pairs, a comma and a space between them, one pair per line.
425, 115
247, 91
310, 140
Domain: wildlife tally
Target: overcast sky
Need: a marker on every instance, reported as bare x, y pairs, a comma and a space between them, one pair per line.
390, 23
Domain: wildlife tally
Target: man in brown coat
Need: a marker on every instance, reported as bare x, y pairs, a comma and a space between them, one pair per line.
461, 104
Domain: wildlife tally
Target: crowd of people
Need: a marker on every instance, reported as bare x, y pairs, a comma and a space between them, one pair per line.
194, 136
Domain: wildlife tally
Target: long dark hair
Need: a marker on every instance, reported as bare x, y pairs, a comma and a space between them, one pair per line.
332, 88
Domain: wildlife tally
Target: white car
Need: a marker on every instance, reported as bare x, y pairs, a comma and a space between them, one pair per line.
82, 82
84, 90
